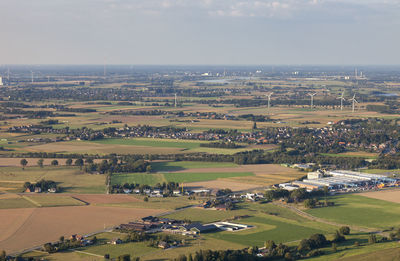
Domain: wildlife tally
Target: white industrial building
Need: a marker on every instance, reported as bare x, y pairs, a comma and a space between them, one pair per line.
345, 178
1, 81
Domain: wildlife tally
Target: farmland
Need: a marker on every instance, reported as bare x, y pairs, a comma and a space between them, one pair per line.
37, 226
361, 211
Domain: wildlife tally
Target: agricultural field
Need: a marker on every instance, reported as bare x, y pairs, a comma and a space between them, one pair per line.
36, 226
71, 179
53, 200
361, 211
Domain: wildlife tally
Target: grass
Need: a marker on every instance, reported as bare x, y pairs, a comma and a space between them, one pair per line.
16, 203
152, 179
181, 165
195, 177
360, 154
169, 143
138, 178
360, 211
53, 201
267, 229
284, 228
71, 179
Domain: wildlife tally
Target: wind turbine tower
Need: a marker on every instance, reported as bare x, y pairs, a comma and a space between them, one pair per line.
269, 100
312, 99
342, 99
354, 101
175, 101
32, 76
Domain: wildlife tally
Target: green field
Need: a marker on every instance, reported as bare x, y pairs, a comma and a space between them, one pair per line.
169, 143
137, 178
152, 179
70, 179
280, 228
360, 211
195, 177
181, 165
16, 203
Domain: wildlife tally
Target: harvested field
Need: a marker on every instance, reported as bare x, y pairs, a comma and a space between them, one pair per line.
97, 148
94, 199
46, 200
27, 228
387, 195
265, 174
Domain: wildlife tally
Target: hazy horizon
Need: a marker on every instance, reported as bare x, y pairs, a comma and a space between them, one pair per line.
200, 32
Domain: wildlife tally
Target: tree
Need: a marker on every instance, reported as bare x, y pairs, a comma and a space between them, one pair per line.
372, 239
338, 237
125, 257
40, 162
269, 244
146, 199
61, 239
23, 163
254, 125
79, 162
334, 247
3, 255
68, 162
54, 163
344, 230
310, 203
148, 169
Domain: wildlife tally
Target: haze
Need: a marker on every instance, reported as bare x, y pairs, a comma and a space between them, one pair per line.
199, 32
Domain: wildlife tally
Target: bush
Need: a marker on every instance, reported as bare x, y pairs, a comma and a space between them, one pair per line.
315, 252
372, 239
344, 230
338, 237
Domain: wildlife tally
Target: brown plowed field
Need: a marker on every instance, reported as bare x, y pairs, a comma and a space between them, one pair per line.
26, 228
388, 195
221, 184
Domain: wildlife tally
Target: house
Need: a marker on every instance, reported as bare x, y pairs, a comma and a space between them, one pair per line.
38, 189
52, 190
116, 241
163, 245
221, 207
127, 191
29, 190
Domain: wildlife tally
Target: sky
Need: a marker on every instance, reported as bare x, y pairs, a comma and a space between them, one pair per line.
220, 32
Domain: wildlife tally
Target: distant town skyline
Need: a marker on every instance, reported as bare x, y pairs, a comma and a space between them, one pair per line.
230, 32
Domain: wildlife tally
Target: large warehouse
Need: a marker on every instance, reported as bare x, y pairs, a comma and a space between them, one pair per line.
338, 179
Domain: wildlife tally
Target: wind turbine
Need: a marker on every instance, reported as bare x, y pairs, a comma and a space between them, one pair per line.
354, 101
312, 99
32, 76
341, 101
269, 100
175, 100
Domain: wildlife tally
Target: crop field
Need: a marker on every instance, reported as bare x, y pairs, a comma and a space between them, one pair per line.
361, 211
71, 179
184, 165
26, 228
17, 202
387, 195
194, 177
53, 200
360, 154
137, 178
169, 203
